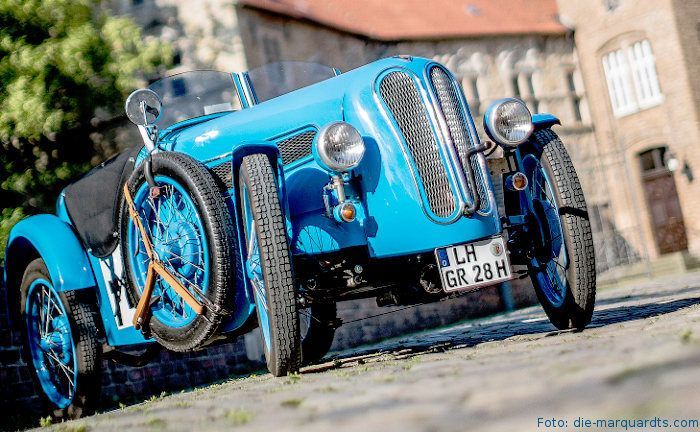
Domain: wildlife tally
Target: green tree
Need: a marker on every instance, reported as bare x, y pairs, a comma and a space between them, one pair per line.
60, 60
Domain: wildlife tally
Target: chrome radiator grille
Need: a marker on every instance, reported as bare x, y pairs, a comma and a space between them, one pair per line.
401, 96
457, 124
297, 146
223, 175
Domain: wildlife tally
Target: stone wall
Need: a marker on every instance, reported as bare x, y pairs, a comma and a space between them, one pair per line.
171, 372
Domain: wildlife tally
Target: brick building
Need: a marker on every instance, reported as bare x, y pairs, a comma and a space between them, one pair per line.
640, 62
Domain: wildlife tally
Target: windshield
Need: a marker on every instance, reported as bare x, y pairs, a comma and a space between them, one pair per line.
194, 94
276, 79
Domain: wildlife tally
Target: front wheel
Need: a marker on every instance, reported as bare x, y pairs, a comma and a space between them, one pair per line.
318, 323
562, 259
62, 344
268, 265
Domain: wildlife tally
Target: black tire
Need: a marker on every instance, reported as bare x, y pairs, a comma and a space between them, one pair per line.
321, 324
216, 220
258, 179
577, 309
82, 313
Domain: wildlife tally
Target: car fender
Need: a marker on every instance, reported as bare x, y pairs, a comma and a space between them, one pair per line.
53, 240
544, 121
273, 153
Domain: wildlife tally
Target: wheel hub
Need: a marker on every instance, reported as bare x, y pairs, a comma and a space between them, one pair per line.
57, 339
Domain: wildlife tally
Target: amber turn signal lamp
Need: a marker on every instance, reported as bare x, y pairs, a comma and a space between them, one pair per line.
517, 182
348, 212
345, 212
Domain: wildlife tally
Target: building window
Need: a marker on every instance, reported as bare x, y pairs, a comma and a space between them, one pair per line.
632, 80
573, 96
656, 160
474, 84
470, 84
515, 85
524, 89
532, 99
644, 74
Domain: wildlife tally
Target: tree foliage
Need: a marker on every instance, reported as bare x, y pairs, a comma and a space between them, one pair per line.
60, 60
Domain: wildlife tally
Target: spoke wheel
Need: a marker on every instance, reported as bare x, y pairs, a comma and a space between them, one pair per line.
61, 343
317, 324
562, 265
550, 260
179, 241
191, 233
268, 265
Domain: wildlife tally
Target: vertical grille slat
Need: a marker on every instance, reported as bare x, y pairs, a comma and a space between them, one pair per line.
457, 124
223, 175
403, 100
297, 146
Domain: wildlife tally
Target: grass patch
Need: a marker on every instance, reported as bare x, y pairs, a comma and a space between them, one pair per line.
293, 378
74, 427
412, 362
623, 375
155, 423
155, 398
328, 389
45, 422
386, 379
239, 417
686, 336
183, 404
292, 403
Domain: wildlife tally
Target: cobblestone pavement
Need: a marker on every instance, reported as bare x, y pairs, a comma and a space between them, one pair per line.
640, 358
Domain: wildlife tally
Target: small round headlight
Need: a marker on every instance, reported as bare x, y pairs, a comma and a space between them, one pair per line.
339, 146
508, 122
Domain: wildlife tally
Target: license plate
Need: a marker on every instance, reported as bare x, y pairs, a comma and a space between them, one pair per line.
472, 265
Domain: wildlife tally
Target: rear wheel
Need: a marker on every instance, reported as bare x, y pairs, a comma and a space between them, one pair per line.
562, 267
62, 344
268, 264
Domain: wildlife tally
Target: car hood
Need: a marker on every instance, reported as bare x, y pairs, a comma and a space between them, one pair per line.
310, 107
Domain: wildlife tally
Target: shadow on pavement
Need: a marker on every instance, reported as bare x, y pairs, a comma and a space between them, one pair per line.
470, 334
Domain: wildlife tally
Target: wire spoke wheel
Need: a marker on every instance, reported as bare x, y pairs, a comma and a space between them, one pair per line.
317, 325
562, 259
51, 343
190, 230
61, 343
179, 242
551, 257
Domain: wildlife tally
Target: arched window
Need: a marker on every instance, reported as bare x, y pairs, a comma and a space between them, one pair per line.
633, 84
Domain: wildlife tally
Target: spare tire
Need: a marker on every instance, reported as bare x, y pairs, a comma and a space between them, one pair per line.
192, 234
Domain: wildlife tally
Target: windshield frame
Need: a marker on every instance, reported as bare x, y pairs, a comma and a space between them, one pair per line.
243, 90
237, 102
249, 88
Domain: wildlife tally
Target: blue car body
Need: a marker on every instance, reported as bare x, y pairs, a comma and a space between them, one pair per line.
395, 217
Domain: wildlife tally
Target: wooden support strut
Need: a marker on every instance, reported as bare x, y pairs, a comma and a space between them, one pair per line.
155, 268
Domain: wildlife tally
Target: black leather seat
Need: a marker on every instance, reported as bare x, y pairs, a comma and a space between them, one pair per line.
93, 202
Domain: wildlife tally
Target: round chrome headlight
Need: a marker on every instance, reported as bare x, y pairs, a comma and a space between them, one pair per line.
339, 147
508, 122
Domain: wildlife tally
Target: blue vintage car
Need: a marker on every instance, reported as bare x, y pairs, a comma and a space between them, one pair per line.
261, 199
